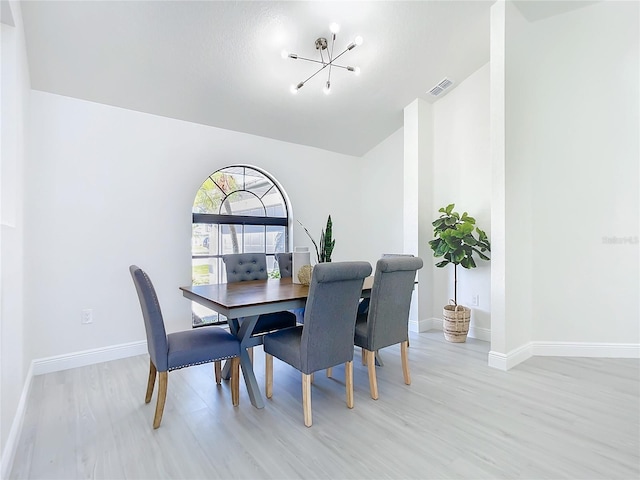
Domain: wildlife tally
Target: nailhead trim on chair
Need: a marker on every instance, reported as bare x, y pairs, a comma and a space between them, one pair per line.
200, 363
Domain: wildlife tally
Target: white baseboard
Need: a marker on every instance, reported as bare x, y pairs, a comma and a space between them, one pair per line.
423, 325
595, 350
480, 333
88, 357
504, 362
10, 446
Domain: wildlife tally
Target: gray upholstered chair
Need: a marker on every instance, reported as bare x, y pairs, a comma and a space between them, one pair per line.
285, 263
387, 320
242, 267
326, 338
180, 349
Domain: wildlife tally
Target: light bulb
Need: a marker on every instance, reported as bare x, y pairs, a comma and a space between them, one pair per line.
293, 89
356, 71
358, 40
334, 27
284, 54
327, 88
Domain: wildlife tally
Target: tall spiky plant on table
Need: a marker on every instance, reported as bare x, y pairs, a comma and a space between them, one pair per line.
327, 242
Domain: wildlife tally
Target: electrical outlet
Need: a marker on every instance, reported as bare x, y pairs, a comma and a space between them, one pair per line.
86, 316
475, 300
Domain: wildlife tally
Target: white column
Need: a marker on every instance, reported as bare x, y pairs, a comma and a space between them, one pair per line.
417, 205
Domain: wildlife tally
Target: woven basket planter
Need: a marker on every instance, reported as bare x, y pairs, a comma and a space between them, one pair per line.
456, 323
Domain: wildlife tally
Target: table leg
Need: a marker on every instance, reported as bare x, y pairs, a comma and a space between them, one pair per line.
244, 334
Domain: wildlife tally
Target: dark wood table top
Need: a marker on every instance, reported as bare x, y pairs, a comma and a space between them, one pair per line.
255, 293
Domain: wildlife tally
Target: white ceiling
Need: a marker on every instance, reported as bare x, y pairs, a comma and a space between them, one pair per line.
219, 63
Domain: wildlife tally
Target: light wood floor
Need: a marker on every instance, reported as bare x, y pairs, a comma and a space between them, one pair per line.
548, 418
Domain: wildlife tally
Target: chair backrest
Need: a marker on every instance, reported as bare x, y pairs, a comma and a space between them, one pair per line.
242, 267
153, 321
285, 263
393, 283
330, 314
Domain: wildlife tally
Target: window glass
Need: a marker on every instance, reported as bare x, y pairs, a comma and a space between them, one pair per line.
237, 209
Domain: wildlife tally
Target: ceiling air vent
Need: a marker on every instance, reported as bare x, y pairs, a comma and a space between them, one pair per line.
441, 87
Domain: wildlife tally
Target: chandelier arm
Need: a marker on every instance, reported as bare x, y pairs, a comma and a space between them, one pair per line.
318, 61
321, 68
333, 42
312, 60
345, 51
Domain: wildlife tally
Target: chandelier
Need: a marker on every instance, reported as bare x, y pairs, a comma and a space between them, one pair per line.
322, 45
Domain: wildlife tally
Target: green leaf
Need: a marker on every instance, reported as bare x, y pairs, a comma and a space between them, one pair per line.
466, 228
441, 249
470, 240
482, 256
458, 256
437, 223
450, 221
442, 263
449, 208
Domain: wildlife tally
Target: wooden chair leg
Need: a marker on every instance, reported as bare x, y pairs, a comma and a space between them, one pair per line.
306, 399
217, 368
405, 362
268, 375
329, 372
373, 381
151, 383
348, 375
364, 356
235, 381
311, 377
162, 396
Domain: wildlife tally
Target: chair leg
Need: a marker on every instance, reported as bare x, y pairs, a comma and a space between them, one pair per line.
405, 362
250, 352
364, 356
235, 381
329, 372
151, 383
162, 396
268, 375
217, 368
311, 377
348, 375
373, 381
306, 399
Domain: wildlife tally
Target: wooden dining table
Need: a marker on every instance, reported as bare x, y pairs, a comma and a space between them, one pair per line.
243, 302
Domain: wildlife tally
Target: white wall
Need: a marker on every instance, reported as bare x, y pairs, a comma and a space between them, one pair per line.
585, 173
110, 187
571, 181
462, 175
14, 90
381, 178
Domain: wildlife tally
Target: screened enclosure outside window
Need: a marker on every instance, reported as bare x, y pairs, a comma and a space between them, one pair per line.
237, 209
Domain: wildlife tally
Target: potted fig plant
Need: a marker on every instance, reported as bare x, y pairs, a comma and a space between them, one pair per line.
455, 243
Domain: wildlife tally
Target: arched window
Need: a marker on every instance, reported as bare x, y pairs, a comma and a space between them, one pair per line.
237, 209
